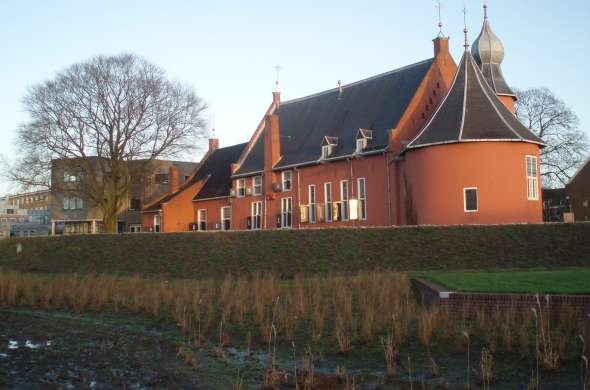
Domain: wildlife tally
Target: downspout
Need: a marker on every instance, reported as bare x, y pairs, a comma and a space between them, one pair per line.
264, 195
388, 162
351, 192
298, 200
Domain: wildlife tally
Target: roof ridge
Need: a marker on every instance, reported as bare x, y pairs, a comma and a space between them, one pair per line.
354, 83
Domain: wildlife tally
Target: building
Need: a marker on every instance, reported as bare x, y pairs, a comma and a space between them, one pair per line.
556, 204
578, 191
25, 215
72, 212
429, 143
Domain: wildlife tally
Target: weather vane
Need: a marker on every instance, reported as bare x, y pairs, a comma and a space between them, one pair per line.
440, 23
465, 30
277, 69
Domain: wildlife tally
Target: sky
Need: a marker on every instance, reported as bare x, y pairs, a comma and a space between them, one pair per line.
228, 50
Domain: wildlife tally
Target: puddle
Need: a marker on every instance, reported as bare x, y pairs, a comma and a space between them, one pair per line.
13, 344
29, 344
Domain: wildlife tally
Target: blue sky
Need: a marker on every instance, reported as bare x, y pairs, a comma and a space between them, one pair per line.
228, 50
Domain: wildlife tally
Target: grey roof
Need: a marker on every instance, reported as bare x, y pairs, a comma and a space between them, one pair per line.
488, 52
376, 104
471, 111
215, 169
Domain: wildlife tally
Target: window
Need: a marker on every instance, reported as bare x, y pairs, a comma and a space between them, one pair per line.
328, 201
134, 204
256, 215
202, 219
286, 212
135, 228
70, 177
326, 151
287, 180
361, 144
344, 199
362, 198
72, 203
532, 183
161, 178
312, 208
257, 185
157, 223
226, 218
241, 188
470, 199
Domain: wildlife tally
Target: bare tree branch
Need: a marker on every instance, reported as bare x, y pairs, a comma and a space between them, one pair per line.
109, 118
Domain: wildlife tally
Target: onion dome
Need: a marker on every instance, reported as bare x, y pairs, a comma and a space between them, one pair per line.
470, 112
488, 52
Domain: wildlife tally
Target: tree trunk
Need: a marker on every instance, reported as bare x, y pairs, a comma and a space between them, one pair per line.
110, 212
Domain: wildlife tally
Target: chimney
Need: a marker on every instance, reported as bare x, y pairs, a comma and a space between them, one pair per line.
441, 46
213, 144
174, 179
272, 141
276, 98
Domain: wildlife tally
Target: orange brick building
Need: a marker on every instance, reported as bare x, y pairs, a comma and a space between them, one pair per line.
429, 143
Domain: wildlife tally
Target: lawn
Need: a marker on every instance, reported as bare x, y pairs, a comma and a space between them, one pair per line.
559, 281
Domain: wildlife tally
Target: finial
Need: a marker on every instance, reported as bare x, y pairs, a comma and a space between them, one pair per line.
440, 23
465, 30
340, 90
277, 69
485, 9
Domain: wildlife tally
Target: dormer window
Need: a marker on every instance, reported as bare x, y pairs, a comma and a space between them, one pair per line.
328, 145
362, 139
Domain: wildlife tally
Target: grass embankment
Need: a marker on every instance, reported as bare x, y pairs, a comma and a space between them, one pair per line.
368, 320
312, 252
563, 281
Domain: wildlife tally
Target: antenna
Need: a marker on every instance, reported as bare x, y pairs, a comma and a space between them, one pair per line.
485, 9
465, 30
277, 69
440, 23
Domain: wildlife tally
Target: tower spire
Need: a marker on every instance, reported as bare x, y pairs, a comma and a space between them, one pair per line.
440, 23
485, 9
465, 30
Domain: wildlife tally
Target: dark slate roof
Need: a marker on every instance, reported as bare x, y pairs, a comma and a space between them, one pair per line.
495, 78
217, 170
471, 111
376, 103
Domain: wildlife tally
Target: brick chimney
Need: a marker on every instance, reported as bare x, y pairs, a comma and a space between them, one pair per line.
174, 178
272, 141
441, 46
276, 98
213, 144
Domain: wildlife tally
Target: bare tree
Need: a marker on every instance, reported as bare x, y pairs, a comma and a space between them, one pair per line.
107, 119
548, 117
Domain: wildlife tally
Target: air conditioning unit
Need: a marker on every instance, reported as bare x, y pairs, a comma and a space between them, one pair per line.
248, 191
277, 187
232, 192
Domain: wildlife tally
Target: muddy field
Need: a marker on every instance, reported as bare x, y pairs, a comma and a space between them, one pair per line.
37, 352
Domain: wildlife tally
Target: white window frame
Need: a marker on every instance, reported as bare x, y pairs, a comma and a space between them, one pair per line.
286, 210
284, 180
311, 200
201, 220
72, 203
256, 211
328, 202
157, 223
532, 178
361, 144
240, 188
223, 217
362, 198
257, 187
326, 151
465, 199
344, 197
